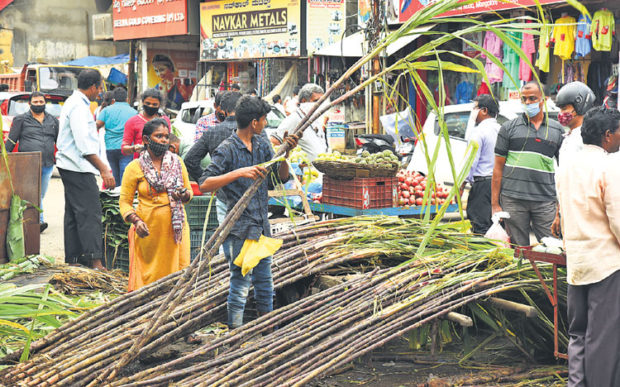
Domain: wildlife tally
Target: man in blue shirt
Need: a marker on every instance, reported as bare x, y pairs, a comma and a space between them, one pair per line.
78, 161
485, 135
235, 165
113, 118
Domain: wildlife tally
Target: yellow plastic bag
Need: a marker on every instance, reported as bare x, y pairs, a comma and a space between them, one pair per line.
253, 251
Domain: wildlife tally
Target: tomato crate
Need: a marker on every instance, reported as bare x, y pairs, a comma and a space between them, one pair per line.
371, 192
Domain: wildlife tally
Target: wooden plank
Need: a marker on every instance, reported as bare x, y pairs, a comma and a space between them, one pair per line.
25, 169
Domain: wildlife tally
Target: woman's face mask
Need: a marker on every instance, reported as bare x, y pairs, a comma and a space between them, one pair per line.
158, 149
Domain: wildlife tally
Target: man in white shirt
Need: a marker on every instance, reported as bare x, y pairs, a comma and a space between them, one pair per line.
78, 160
313, 141
484, 133
574, 100
589, 192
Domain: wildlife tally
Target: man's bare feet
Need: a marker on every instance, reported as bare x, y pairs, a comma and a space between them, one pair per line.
97, 265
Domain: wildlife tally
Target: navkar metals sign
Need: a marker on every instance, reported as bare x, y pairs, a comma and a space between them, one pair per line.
406, 8
249, 29
138, 19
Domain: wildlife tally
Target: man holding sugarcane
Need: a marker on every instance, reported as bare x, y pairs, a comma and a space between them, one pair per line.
235, 164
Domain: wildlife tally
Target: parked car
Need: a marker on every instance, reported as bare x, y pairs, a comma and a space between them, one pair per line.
190, 113
12, 104
458, 122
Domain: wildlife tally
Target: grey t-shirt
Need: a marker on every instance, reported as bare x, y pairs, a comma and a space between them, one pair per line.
529, 173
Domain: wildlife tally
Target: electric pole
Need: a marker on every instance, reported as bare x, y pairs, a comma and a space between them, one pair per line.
375, 36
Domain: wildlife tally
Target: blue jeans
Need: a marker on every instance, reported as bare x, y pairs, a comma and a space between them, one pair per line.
239, 288
118, 161
46, 175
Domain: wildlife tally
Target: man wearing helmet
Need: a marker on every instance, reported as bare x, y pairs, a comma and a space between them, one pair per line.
574, 100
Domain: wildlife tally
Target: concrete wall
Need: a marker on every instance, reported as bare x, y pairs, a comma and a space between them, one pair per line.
54, 31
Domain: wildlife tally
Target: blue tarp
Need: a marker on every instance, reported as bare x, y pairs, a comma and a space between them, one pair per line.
99, 60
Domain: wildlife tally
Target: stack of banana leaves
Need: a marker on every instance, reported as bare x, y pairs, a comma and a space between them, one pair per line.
385, 289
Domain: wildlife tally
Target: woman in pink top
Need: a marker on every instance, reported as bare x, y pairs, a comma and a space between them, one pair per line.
588, 186
132, 136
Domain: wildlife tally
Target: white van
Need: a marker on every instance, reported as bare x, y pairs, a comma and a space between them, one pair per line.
190, 113
458, 122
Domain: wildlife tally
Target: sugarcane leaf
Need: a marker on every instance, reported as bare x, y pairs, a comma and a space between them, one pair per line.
15, 325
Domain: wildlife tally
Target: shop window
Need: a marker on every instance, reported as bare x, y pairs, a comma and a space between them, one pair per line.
188, 115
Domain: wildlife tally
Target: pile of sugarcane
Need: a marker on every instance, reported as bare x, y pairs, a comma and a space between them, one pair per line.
455, 270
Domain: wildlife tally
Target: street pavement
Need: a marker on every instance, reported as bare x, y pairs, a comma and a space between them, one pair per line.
54, 209
52, 239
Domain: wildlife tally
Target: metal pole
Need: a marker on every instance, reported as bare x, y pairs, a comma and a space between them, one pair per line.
131, 72
376, 65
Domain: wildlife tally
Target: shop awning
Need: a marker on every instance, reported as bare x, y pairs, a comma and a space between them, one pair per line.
355, 46
92, 61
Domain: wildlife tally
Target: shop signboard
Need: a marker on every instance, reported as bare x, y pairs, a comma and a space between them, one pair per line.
232, 29
139, 19
173, 73
406, 8
325, 23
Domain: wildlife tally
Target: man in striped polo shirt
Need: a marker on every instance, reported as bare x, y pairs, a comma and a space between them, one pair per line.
523, 181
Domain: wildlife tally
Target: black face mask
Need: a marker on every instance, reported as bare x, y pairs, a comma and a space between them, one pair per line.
37, 108
150, 110
220, 116
157, 148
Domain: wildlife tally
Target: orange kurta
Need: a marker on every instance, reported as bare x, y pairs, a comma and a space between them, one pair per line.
157, 255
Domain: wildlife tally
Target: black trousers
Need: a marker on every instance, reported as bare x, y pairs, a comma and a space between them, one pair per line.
82, 223
594, 340
479, 206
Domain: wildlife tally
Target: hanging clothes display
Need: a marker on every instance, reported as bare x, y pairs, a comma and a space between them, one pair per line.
583, 46
511, 61
483, 89
529, 48
542, 61
603, 27
564, 34
598, 72
567, 74
493, 44
464, 92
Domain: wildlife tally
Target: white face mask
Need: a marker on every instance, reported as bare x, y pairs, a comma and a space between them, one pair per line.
471, 122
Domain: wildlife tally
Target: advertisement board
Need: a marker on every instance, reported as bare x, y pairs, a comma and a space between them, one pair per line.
173, 73
139, 19
232, 29
406, 8
325, 23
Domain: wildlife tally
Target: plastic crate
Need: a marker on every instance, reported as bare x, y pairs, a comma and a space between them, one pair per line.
196, 211
362, 193
117, 258
195, 237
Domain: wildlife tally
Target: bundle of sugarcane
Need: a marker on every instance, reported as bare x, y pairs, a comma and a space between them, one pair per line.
322, 333
23, 265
